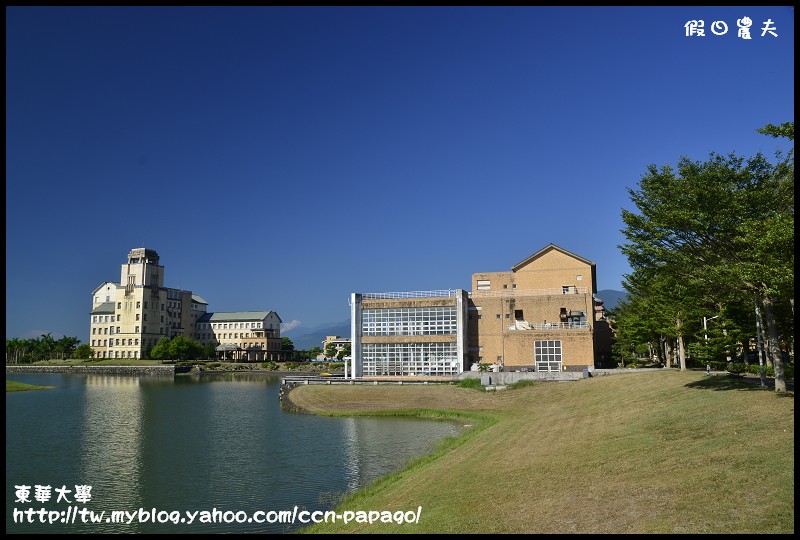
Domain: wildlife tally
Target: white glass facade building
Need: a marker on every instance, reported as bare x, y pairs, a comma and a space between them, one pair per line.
408, 334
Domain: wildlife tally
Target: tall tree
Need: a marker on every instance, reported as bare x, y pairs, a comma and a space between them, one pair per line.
726, 224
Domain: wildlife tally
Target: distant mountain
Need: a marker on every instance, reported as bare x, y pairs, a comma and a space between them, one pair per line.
313, 337
610, 297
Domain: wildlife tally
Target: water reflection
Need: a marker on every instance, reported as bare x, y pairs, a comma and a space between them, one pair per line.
111, 457
195, 443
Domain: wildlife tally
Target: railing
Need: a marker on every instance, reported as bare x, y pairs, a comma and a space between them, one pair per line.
531, 292
411, 294
524, 325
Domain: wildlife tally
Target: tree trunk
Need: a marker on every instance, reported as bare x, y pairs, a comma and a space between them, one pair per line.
774, 346
681, 350
762, 354
667, 352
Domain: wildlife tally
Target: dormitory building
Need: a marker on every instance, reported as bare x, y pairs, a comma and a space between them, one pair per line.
542, 315
128, 318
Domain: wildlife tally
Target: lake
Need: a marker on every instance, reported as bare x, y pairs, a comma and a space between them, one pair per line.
159, 447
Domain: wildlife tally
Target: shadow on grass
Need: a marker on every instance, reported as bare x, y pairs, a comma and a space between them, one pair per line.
736, 382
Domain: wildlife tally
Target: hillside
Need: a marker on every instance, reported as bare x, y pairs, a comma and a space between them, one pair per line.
305, 338
610, 297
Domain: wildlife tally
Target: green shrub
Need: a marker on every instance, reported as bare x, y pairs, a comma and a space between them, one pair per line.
788, 370
735, 368
469, 383
722, 366
270, 366
521, 384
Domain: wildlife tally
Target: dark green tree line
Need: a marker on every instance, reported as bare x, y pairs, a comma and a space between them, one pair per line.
707, 239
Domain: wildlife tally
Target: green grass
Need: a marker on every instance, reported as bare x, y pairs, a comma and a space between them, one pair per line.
665, 452
15, 386
470, 383
521, 384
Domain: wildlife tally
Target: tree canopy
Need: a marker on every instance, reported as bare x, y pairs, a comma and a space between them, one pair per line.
706, 238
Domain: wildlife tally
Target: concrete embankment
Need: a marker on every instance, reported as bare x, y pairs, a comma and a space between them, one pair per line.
96, 370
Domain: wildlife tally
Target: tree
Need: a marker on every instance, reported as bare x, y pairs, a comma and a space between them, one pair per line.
83, 352
182, 348
161, 349
314, 352
330, 350
344, 352
723, 227
286, 344
210, 350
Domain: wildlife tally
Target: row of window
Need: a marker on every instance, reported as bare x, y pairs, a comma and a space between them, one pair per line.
110, 342
233, 326
397, 359
424, 321
116, 354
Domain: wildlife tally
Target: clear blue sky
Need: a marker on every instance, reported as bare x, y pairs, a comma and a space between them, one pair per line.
281, 158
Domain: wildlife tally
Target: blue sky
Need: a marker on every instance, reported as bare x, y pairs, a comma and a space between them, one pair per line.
280, 158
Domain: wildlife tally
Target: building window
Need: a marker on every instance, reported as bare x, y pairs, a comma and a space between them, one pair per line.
119, 317
119, 305
547, 355
94, 331
144, 316
137, 316
518, 315
145, 305
138, 305
578, 278
397, 359
484, 284
137, 330
505, 286
421, 321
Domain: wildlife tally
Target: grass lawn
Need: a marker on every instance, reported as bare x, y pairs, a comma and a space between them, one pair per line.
14, 386
663, 452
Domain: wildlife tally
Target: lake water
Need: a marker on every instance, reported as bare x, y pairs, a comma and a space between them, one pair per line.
189, 444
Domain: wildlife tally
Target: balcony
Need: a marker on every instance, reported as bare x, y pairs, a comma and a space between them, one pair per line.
510, 293
525, 325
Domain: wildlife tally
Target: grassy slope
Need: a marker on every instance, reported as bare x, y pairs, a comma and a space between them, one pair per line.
666, 452
16, 386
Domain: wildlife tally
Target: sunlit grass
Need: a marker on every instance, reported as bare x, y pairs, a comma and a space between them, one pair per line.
666, 452
16, 386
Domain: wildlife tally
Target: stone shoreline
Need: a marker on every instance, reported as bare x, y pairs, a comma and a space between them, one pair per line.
111, 370
140, 370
